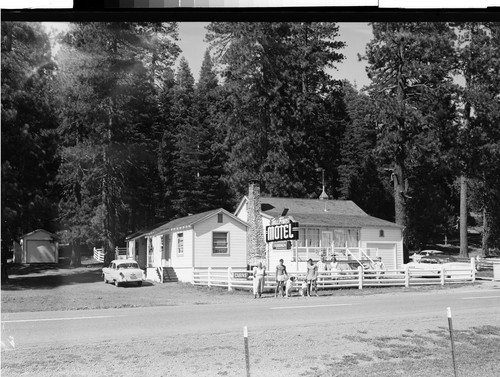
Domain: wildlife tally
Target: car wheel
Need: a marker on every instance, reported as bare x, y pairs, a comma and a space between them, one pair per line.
117, 283
105, 280
139, 283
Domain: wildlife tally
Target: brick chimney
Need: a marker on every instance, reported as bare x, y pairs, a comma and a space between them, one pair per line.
256, 246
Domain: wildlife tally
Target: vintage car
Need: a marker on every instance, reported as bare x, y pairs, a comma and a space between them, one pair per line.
123, 271
424, 253
431, 265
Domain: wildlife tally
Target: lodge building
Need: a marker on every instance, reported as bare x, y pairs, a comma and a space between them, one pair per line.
306, 229
325, 227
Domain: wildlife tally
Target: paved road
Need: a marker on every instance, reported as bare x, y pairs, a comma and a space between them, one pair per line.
469, 306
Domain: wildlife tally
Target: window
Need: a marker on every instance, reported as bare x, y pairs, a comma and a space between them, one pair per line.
302, 237
352, 237
220, 218
381, 233
313, 237
220, 244
180, 243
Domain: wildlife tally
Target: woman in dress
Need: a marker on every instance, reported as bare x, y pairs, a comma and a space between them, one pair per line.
259, 273
311, 277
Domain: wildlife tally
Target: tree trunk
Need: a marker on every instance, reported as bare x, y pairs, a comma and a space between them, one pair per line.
486, 233
76, 257
464, 247
400, 204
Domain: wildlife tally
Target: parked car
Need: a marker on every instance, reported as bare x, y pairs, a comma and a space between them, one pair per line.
431, 266
123, 271
424, 253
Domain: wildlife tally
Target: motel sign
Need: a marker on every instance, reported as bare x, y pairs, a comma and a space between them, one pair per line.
285, 231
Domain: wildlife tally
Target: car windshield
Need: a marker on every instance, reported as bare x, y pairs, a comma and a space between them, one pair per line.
128, 265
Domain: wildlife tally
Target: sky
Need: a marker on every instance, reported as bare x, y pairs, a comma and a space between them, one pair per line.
356, 35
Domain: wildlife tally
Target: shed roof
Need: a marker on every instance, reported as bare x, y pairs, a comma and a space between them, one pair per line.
40, 231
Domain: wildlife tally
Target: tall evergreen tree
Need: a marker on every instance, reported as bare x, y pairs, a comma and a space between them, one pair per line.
478, 51
192, 157
361, 178
187, 146
108, 130
29, 142
410, 68
280, 122
210, 102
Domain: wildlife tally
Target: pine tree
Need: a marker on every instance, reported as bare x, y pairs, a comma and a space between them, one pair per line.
410, 67
29, 140
478, 54
108, 129
361, 179
281, 121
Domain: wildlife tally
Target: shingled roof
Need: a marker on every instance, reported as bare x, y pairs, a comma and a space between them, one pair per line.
315, 212
188, 221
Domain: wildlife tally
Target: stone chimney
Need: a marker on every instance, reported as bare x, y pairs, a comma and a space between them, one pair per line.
256, 246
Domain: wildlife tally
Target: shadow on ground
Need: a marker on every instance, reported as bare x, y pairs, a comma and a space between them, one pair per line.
41, 278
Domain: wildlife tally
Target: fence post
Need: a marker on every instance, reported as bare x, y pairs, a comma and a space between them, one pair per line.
208, 276
407, 276
473, 269
442, 274
229, 275
192, 276
360, 277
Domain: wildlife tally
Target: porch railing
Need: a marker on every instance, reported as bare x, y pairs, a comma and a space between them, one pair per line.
357, 253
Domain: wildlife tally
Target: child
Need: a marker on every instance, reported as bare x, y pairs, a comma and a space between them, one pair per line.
289, 286
303, 289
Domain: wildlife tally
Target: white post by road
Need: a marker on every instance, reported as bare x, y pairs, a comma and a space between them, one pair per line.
229, 276
209, 272
247, 355
442, 274
450, 325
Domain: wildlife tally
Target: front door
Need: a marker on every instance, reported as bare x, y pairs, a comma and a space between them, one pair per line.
166, 249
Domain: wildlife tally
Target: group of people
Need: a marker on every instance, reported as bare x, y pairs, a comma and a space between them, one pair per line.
284, 284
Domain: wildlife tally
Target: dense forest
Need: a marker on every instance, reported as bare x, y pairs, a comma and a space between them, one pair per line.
110, 132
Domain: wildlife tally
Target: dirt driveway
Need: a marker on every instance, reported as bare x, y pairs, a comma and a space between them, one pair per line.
52, 287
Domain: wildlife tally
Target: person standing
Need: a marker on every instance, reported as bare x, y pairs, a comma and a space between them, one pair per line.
311, 277
324, 265
281, 276
259, 274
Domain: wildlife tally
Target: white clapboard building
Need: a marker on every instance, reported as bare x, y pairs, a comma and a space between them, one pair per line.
333, 228
172, 250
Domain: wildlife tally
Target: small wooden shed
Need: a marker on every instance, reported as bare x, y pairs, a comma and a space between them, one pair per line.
38, 246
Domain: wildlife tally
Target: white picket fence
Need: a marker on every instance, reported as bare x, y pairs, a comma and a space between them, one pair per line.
120, 253
242, 279
99, 254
